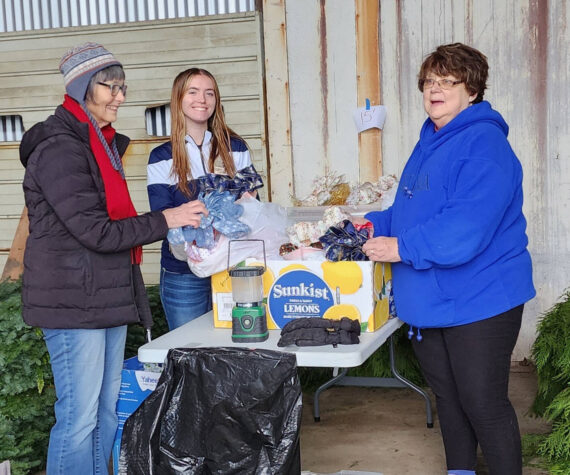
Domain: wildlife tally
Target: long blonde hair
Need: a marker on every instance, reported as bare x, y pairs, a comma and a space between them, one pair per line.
221, 133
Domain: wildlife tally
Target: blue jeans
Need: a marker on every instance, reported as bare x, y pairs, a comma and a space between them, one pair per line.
184, 297
86, 366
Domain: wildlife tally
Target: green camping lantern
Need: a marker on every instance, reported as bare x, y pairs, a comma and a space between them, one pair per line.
249, 320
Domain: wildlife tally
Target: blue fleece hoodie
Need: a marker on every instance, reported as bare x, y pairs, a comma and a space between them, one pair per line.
459, 223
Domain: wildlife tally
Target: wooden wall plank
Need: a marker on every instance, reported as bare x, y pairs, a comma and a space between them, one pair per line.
277, 97
368, 86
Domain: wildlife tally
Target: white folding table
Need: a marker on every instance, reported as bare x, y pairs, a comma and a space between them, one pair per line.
200, 332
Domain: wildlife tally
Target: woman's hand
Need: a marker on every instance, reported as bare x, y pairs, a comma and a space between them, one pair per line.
382, 249
188, 214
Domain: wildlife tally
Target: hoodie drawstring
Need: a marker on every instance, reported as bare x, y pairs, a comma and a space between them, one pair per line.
419, 336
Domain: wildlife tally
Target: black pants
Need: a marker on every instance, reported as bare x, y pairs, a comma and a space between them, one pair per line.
467, 368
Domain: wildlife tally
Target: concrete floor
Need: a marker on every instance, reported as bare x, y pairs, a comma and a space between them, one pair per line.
384, 430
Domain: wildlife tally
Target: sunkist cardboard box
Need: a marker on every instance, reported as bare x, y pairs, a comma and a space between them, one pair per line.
294, 289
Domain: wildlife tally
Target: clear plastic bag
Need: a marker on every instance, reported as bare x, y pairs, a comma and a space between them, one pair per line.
267, 221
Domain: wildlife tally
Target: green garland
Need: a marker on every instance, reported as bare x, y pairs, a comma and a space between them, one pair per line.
551, 354
378, 365
27, 395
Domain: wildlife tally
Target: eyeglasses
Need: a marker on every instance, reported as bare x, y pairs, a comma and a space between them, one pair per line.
444, 84
115, 88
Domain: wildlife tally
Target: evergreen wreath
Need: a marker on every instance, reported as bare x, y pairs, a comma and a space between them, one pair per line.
27, 394
551, 354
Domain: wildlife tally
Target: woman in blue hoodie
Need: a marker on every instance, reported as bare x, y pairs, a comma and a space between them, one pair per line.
461, 269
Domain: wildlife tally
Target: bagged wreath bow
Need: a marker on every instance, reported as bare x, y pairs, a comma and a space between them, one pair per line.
344, 242
223, 216
245, 180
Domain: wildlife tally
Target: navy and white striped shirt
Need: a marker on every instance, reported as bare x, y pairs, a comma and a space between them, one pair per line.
162, 183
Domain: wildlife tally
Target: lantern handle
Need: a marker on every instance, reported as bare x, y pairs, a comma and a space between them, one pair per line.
245, 240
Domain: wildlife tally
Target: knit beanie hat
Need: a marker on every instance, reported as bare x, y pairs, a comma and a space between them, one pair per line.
79, 65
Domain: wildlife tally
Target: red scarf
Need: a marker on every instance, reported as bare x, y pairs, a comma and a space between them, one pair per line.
119, 204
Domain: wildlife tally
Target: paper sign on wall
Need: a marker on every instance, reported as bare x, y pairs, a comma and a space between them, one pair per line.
369, 117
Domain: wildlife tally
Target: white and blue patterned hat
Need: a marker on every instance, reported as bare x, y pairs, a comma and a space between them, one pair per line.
80, 63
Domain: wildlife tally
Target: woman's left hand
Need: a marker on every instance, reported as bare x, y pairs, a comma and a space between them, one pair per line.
382, 249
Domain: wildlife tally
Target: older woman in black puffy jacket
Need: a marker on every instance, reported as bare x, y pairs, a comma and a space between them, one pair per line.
82, 282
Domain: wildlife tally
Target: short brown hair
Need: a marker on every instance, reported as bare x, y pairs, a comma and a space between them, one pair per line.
464, 62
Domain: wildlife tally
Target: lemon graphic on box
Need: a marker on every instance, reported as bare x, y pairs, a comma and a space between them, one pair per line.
346, 278
293, 267
379, 282
380, 315
382, 275
346, 275
382, 289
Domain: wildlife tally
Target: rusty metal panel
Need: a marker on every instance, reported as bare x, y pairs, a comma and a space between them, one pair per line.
322, 72
527, 43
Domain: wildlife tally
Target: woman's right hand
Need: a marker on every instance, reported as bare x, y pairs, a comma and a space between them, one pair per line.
188, 214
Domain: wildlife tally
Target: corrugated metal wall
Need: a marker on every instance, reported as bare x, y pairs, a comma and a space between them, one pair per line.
18, 15
527, 45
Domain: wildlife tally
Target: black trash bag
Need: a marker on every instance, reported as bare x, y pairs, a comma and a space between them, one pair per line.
218, 411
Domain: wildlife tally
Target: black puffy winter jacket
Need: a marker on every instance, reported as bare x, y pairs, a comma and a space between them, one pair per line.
77, 263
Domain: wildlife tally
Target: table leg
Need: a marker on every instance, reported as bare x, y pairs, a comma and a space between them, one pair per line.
367, 381
411, 385
321, 388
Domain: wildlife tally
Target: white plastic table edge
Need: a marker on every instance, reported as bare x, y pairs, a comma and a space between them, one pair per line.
200, 333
